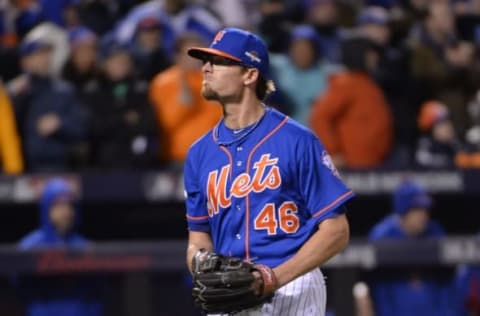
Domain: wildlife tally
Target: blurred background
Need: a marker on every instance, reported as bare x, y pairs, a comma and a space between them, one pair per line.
99, 104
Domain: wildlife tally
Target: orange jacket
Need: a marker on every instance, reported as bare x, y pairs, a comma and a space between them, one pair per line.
10, 151
183, 117
353, 120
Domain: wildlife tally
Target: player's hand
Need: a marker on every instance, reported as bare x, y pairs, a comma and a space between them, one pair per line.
48, 124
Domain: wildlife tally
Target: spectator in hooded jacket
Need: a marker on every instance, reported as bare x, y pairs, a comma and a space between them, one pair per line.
352, 117
414, 291
11, 158
302, 69
58, 295
49, 117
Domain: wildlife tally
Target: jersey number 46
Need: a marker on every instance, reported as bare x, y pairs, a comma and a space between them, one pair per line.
285, 218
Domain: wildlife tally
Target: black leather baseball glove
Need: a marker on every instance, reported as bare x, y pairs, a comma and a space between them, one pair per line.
226, 285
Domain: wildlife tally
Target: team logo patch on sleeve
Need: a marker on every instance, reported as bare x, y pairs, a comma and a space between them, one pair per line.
328, 162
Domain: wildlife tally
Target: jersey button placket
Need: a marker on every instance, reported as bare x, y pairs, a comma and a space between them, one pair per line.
239, 159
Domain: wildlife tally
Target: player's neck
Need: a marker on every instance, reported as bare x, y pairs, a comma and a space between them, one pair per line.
243, 114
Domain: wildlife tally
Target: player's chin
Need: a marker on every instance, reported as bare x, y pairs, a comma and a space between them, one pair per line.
209, 94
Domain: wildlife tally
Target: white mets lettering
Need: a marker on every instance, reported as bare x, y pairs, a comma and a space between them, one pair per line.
219, 196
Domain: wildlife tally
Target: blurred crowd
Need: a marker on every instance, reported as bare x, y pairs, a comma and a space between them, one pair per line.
106, 84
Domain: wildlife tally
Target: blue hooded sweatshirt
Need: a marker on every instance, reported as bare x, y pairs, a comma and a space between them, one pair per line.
57, 295
410, 292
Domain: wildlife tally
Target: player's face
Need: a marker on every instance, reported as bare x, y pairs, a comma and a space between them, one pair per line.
222, 79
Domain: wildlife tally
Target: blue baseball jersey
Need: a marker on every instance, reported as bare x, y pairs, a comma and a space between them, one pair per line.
261, 192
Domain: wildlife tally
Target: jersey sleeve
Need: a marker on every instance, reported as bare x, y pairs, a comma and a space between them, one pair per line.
322, 189
196, 202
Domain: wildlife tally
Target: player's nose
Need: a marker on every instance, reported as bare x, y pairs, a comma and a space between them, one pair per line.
207, 66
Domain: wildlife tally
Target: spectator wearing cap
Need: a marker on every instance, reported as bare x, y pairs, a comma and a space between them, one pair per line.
372, 23
123, 132
150, 57
352, 117
11, 159
441, 63
301, 75
182, 113
410, 218
323, 16
393, 76
438, 145
178, 17
49, 117
410, 291
81, 67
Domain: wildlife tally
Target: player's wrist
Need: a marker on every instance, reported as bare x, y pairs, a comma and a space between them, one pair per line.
283, 276
269, 279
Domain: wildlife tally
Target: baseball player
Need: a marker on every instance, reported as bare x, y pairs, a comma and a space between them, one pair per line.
259, 187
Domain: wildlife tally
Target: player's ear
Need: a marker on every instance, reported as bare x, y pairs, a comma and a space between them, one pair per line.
250, 76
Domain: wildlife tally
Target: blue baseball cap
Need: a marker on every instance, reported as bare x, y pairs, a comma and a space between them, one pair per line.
304, 32
110, 46
373, 15
238, 45
32, 46
409, 195
81, 34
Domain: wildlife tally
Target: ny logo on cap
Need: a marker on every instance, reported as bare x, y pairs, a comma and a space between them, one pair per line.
218, 36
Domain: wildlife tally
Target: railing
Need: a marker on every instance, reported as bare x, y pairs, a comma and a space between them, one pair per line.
168, 185
169, 256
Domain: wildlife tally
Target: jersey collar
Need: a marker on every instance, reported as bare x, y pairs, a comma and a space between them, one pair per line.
224, 136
